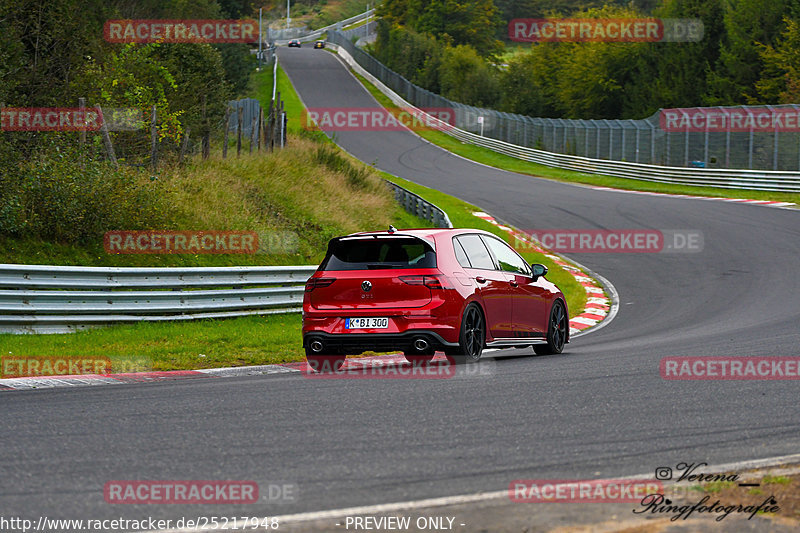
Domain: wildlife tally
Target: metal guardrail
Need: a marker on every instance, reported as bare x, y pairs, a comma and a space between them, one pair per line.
417, 205
52, 299
284, 36
361, 32
764, 180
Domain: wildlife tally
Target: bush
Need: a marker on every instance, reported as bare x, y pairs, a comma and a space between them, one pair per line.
467, 78
53, 198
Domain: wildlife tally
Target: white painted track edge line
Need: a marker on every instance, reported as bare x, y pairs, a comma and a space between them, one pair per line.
489, 495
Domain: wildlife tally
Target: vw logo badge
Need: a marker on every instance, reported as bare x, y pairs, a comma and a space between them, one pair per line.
366, 286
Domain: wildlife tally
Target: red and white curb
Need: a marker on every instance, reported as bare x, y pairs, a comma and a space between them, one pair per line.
50, 382
598, 304
766, 203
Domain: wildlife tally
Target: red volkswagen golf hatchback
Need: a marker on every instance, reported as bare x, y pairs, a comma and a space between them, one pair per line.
423, 290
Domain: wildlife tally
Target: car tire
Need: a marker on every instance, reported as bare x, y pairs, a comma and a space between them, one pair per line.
325, 363
471, 337
556, 331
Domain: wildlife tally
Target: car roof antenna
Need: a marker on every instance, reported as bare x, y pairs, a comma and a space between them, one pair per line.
392, 229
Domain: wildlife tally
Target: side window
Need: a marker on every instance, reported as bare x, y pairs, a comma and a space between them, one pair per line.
476, 252
461, 255
507, 258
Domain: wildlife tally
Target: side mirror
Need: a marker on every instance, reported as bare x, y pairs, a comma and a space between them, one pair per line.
538, 270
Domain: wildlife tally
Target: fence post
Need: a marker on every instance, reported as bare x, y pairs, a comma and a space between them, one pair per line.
555, 135
227, 128
727, 139
686, 143
82, 135
276, 138
154, 138
253, 131
282, 125
107, 139
750, 148
774, 139
184, 145
260, 125
239, 118
597, 127
585, 140
206, 133
667, 149
653, 143
705, 148
268, 128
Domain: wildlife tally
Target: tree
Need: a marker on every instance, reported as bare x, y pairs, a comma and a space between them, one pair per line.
748, 25
472, 22
675, 74
415, 56
780, 82
466, 78
529, 83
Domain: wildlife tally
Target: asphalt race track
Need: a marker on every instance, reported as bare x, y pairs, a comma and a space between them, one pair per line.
600, 409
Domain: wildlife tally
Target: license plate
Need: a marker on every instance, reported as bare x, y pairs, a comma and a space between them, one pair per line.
366, 323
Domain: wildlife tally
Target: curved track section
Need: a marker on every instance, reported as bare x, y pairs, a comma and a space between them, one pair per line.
600, 409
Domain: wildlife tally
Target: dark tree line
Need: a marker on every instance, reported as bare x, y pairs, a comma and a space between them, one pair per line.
52, 53
748, 55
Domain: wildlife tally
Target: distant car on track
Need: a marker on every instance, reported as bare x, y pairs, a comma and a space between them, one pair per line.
422, 290
319, 44
295, 43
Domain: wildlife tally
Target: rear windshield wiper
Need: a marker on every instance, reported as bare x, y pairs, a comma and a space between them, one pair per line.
372, 266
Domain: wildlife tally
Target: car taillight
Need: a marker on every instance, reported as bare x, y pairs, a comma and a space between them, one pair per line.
432, 282
314, 283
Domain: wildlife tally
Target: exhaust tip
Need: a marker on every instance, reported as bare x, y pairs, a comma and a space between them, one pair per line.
420, 344
316, 346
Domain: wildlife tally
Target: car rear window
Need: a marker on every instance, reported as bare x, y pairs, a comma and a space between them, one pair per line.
371, 253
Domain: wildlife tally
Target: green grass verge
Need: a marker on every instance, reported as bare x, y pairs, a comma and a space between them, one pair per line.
260, 85
146, 346
504, 162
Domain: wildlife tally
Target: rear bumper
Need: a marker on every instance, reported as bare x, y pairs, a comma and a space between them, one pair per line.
438, 330
379, 342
